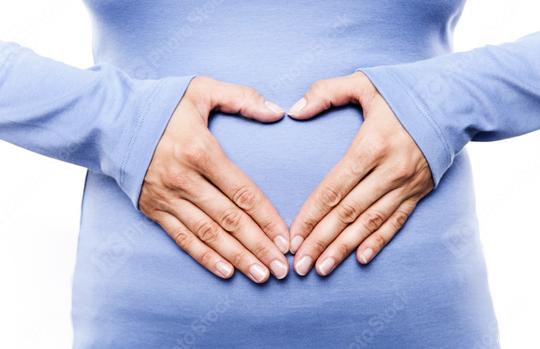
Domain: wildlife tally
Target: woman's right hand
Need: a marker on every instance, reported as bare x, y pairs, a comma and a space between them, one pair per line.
211, 209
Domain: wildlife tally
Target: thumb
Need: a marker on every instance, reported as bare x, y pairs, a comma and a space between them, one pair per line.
325, 94
246, 101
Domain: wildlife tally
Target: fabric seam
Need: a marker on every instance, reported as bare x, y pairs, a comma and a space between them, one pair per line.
140, 121
426, 115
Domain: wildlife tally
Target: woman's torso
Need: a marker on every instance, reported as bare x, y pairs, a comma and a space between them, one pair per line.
133, 288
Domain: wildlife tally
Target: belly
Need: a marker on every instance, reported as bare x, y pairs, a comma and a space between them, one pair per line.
133, 288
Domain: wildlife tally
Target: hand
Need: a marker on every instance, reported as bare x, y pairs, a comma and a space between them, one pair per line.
367, 197
203, 201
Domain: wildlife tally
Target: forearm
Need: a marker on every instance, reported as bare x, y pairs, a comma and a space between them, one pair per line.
98, 118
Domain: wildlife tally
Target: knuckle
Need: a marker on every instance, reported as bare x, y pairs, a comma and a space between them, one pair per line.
379, 240
197, 153
329, 196
269, 226
245, 197
249, 96
378, 147
319, 91
347, 213
182, 239
318, 245
231, 220
403, 170
401, 218
308, 225
239, 258
342, 250
262, 252
372, 220
206, 258
207, 231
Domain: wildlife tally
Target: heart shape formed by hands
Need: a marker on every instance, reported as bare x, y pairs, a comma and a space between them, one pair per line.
218, 216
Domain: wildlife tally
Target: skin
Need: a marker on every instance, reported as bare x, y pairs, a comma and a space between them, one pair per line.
367, 197
205, 203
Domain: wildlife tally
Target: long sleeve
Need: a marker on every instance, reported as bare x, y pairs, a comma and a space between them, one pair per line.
486, 94
99, 118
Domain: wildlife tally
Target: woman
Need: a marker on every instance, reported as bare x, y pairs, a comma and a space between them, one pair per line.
133, 288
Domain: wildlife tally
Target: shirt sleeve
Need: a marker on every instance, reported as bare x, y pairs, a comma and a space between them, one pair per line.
99, 118
486, 94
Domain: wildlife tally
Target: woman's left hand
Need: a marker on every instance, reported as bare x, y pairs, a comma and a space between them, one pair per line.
367, 197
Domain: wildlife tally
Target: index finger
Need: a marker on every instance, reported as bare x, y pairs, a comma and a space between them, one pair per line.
241, 190
357, 163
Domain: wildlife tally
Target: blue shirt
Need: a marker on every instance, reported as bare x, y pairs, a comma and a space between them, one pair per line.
133, 288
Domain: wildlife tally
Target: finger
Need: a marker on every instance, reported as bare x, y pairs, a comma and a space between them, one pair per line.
212, 235
246, 101
245, 194
189, 243
325, 94
232, 219
373, 245
369, 221
361, 158
363, 196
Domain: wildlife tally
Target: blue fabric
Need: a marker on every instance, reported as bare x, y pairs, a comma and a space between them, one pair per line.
133, 288
486, 94
98, 118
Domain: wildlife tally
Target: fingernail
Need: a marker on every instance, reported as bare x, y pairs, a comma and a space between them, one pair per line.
274, 107
257, 272
282, 244
327, 266
297, 107
224, 269
295, 243
366, 255
279, 269
304, 265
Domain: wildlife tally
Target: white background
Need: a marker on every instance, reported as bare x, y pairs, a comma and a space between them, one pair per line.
40, 198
